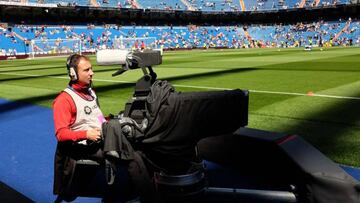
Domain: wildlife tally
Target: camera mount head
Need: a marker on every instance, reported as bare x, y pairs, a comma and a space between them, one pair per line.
129, 60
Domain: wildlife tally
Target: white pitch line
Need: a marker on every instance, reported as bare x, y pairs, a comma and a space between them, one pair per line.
274, 92
302, 94
203, 87
59, 77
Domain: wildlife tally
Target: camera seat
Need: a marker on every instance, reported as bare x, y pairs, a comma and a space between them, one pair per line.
84, 177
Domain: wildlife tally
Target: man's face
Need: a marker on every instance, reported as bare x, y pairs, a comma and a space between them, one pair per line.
84, 71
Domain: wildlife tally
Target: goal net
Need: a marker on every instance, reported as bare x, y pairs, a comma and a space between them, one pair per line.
135, 43
53, 47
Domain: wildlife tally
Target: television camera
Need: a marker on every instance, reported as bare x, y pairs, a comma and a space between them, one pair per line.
175, 184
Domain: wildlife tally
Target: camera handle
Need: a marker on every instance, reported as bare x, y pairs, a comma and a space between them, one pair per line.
135, 107
142, 87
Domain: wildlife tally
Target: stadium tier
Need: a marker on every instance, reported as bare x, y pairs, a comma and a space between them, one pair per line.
215, 5
164, 4
18, 39
203, 5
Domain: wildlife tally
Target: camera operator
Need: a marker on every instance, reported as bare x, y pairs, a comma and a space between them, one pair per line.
77, 115
79, 126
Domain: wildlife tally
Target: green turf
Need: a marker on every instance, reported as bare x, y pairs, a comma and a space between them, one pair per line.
330, 124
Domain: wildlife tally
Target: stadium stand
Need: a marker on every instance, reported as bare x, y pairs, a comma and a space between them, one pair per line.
16, 38
344, 33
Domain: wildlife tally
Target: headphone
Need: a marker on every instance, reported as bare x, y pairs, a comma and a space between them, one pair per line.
71, 67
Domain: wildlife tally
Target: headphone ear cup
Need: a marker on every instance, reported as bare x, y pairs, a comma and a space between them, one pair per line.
72, 74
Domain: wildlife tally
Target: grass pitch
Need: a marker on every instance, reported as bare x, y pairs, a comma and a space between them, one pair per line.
315, 94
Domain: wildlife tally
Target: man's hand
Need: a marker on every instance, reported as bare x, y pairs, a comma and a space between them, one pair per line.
93, 134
